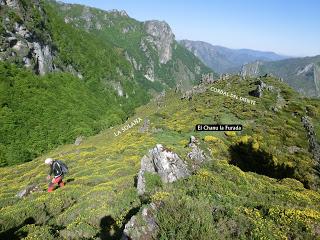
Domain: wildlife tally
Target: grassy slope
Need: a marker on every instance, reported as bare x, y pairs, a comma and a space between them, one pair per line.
219, 200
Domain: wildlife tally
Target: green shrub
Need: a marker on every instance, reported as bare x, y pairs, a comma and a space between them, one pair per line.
153, 181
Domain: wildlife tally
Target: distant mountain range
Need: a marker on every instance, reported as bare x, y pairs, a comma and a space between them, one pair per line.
303, 74
226, 60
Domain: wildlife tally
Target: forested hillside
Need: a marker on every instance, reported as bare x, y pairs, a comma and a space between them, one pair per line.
61, 80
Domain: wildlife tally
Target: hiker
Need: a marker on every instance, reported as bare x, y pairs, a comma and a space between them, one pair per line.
58, 169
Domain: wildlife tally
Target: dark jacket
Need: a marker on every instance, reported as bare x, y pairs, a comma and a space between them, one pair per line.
55, 169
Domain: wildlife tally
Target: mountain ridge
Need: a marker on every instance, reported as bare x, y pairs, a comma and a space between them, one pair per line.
300, 73
115, 59
223, 60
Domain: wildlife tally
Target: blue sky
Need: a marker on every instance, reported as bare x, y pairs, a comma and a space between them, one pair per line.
289, 27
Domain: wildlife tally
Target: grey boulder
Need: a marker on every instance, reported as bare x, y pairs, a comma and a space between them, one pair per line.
28, 190
142, 226
167, 164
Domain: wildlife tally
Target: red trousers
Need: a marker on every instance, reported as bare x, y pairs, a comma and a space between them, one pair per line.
56, 180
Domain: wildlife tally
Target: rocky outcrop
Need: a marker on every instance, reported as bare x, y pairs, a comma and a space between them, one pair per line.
142, 226
225, 76
43, 57
257, 92
118, 88
169, 167
251, 69
28, 190
201, 88
10, 3
167, 164
207, 78
22, 44
294, 149
78, 140
314, 146
161, 36
145, 126
119, 13
128, 29
149, 68
137, 66
149, 74
87, 17
160, 99
73, 71
262, 86
197, 155
281, 102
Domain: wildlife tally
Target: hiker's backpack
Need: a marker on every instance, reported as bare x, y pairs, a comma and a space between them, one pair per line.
63, 166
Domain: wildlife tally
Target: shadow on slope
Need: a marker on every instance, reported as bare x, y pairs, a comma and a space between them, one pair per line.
11, 233
109, 229
248, 159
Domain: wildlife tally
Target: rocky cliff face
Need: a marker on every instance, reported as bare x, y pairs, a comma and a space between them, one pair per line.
161, 36
10, 3
22, 45
316, 76
149, 47
158, 38
33, 35
311, 72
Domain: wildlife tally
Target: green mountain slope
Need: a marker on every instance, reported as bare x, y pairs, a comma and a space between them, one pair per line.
300, 73
97, 77
260, 184
149, 46
40, 113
